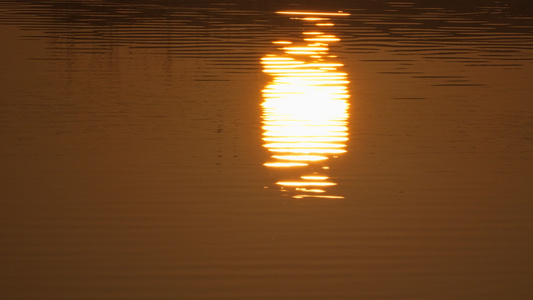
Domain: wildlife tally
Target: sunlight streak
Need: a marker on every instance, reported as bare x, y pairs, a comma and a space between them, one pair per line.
305, 108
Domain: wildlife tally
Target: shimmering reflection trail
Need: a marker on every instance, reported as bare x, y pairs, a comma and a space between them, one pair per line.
305, 108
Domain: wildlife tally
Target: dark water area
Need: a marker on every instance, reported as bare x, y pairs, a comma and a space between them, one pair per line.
266, 149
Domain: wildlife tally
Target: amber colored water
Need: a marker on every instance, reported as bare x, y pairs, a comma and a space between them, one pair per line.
140, 150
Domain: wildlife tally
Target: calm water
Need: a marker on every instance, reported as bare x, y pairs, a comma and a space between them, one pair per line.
224, 150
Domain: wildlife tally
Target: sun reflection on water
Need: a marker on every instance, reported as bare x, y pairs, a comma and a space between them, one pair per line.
305, 108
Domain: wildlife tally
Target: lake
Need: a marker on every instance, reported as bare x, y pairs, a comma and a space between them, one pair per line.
266, 149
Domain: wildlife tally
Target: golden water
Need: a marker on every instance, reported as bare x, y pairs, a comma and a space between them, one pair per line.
266, 150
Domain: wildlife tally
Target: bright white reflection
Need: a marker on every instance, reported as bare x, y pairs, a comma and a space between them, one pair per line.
305, 108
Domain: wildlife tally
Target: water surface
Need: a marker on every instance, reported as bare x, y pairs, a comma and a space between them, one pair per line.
150, 150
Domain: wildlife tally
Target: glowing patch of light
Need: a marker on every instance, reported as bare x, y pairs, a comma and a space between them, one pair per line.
304, 145
306, 139
285, 164
309, 13
322, 39
314, 177
305, 183
309, 151
311, 190
317, 196
314, 19
282, 42
301, 157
